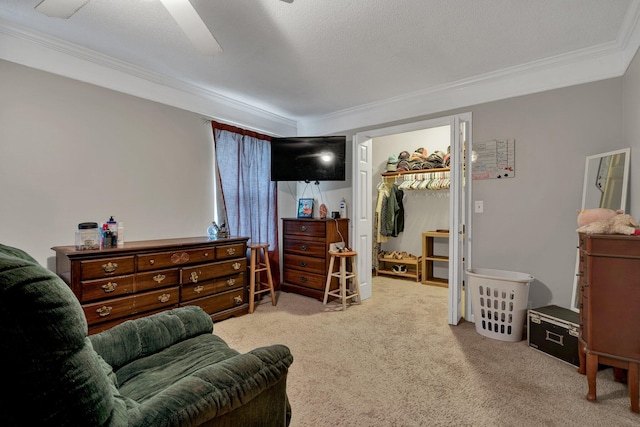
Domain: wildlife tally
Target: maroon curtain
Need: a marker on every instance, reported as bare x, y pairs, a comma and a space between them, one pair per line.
243, 161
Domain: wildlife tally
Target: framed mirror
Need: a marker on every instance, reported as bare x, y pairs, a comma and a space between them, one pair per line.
605, 185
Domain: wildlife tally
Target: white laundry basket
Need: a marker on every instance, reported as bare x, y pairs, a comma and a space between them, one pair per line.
499, 301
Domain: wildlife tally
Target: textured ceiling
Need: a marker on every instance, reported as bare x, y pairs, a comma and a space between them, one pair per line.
311, 58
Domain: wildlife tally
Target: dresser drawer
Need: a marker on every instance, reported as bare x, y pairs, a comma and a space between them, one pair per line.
198, 290
106, 267
222, 301
305, 247
205, 272
308, 280
158, 260
231, 251
611, 245
157, 279
306, 263
99, 327
305, 228
126, 306
107, 288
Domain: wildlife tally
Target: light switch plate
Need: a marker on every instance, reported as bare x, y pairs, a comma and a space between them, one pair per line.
479, 206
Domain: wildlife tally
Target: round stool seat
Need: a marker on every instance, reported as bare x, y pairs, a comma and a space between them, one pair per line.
258, 245
343, 254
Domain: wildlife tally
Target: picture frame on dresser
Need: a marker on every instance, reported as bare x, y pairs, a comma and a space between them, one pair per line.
305, 208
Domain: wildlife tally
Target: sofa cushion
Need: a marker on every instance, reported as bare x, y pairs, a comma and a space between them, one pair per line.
130, 340
43, 335
147, 376
212, 389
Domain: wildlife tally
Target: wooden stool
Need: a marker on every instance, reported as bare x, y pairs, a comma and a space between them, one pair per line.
343, 275
258, 262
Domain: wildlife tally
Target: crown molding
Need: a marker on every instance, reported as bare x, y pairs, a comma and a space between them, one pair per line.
591, 64
69, 60
588, 65
583, 66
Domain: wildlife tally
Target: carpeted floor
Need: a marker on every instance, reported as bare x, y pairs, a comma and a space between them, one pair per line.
394, 361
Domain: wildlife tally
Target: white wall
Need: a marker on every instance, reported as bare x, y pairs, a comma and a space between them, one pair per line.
529, 221
72, 152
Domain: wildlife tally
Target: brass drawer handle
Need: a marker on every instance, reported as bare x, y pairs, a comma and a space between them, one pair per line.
152, 261
303, 228
303, 279
198, 289
159, 278
104, 311
303, 247
236, 265
303, 264
194, 277
237, 300
164, 297
109, 267
231, 251
109, 287
231, 282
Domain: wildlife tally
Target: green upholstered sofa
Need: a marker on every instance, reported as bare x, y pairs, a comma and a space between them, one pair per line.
168, 369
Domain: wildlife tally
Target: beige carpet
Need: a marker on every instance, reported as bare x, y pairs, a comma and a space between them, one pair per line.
394, 361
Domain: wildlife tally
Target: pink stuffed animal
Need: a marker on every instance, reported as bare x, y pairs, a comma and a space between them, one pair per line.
619, 224
587, 216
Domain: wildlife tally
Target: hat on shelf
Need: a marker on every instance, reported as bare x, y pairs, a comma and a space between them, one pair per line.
392, 163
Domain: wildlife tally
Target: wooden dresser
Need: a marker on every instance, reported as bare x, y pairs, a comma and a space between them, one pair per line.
145, 277
306, 253
609, 296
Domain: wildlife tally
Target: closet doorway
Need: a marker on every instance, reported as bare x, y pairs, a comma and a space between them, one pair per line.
367, 176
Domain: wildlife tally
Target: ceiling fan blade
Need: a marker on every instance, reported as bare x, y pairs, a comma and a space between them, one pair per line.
193, 26
60, 8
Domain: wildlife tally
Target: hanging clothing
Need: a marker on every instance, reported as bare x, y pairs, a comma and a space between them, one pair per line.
392, 220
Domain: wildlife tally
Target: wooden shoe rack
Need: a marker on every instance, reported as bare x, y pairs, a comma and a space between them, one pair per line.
413, 267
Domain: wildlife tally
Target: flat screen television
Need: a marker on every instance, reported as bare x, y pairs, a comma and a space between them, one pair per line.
308, 158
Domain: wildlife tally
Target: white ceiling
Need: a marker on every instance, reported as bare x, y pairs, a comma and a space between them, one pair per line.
310, 60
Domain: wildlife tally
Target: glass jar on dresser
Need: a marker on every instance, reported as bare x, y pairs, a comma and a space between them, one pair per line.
609, 301
145, 277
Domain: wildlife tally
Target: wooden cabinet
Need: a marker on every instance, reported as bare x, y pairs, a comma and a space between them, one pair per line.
141, 278
429, 257
609, 297
306, 253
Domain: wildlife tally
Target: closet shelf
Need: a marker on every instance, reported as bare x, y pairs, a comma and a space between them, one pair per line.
433, 170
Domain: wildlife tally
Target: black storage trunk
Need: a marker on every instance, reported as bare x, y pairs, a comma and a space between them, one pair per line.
554, 330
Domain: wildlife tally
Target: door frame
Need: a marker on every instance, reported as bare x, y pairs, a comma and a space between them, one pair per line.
363, 213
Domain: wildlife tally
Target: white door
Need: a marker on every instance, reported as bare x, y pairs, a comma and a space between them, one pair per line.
363, 205
460, 217
362, 214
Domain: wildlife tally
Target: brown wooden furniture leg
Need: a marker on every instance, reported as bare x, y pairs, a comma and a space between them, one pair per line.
592, 371
632, 379
582, 369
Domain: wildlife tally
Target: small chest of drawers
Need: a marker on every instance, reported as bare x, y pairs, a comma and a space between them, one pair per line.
306, 253
141, 278
609, 297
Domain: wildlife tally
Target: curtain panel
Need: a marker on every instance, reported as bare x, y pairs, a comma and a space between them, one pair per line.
243, 160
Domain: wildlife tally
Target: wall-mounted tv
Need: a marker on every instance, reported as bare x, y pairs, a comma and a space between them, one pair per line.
308, 158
